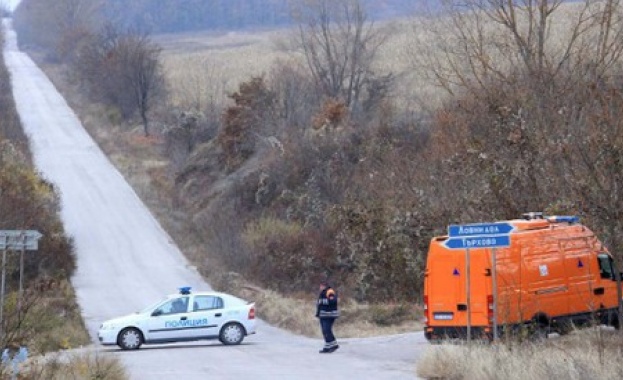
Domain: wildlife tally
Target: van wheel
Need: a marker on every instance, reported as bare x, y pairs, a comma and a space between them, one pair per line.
565, 328
538, 331
615, 323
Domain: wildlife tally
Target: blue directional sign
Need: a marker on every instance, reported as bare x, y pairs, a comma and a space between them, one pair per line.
480, 229
492, 241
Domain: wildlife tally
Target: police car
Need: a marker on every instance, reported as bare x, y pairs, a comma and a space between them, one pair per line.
187, 316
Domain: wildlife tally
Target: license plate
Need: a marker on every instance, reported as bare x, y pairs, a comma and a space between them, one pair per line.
443, 316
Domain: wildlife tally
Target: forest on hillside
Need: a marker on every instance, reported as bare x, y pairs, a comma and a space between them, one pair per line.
321, 167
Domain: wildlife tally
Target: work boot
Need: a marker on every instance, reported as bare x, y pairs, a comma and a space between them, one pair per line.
334, 348
325, 351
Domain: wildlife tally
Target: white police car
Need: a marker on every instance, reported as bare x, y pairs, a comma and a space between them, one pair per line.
186, 316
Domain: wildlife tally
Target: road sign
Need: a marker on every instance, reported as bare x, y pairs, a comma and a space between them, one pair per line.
479, 229
493, 241
19, 239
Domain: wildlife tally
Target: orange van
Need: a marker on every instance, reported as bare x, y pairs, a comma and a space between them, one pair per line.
554, 274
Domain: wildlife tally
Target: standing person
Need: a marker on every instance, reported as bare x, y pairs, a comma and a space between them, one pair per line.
327, 312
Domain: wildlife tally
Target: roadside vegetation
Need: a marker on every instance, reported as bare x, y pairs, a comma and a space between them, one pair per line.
44, 317
336, 160
586, 354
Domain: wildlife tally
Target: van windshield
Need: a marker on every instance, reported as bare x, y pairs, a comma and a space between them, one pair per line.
605, 266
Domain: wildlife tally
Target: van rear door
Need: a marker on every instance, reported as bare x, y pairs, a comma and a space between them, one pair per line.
446, 286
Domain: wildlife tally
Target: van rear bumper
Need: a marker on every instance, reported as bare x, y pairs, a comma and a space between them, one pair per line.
439, 334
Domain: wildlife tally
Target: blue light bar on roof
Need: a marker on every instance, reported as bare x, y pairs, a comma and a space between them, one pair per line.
564, 219
185, 290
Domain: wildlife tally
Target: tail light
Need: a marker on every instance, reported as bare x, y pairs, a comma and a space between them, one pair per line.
426, 311
251, 313
490, 308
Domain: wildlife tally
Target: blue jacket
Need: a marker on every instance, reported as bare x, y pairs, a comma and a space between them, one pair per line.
327, 304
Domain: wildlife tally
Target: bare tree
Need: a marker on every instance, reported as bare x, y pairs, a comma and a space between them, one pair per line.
593, 154
472, 42
142, 73
123, 69
98, 65
340, 45
76, 20
296, 99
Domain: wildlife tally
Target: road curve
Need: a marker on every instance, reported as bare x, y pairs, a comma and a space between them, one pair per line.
125, 261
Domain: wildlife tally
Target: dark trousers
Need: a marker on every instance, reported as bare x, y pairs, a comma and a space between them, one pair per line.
326, 324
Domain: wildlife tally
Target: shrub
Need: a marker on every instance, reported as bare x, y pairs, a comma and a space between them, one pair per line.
252, 115
283, 254
49, 319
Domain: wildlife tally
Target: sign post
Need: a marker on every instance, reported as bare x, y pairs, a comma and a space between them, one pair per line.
468, 293
15, 240
494, 282
481, 235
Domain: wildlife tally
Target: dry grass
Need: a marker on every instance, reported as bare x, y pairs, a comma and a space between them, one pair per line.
297, 313
202, 68
77, 366
587, 354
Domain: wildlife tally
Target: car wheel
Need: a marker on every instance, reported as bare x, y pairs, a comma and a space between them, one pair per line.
231, 334
130, 339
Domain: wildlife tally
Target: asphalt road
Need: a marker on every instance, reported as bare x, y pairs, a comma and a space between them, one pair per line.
127, 261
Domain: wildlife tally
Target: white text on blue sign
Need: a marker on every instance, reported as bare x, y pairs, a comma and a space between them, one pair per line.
479, 229
478, 242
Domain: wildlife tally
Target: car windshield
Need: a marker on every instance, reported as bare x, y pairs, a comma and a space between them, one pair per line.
151, 307
605, 266
172, 306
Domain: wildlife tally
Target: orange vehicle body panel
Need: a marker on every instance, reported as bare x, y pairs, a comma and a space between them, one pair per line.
550, 270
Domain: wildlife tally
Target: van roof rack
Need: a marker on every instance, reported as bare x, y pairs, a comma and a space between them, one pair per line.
571, 219
532, 215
